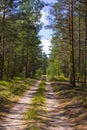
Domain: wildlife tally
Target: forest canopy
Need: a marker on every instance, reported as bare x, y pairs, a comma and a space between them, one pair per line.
69, 43
20, 46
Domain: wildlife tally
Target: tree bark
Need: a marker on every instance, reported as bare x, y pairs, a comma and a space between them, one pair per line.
2, 41
85, 56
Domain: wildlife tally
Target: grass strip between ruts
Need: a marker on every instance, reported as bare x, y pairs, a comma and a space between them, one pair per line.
34, 116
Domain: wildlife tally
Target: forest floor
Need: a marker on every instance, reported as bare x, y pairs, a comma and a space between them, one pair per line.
73, 102
58, 107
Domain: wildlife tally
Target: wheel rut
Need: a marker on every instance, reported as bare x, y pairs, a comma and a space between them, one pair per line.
56, 120
54, 115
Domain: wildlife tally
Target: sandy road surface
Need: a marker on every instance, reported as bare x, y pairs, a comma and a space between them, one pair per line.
56, 119
14, 121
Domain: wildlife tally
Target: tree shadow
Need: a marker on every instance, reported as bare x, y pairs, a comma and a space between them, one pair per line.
70, 99
52, 119
13, 111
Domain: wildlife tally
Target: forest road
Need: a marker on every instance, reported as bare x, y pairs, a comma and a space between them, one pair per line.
14, 119
55, 116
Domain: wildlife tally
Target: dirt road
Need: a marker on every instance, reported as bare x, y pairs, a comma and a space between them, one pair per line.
13, 121
56, 119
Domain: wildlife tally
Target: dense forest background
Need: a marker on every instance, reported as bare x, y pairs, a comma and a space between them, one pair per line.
68, 56
20, 45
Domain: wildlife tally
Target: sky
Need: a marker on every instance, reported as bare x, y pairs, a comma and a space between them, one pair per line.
46, 34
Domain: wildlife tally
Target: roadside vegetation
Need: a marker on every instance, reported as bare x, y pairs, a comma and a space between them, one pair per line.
11, 91
60, 78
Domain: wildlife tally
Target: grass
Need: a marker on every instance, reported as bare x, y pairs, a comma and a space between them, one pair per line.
33, 115
60, 78
14, 87
5, 83
11, 91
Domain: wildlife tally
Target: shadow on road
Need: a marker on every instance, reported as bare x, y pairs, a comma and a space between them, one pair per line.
71, 102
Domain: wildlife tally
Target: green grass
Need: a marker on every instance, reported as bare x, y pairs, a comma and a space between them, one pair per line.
38, 101
9, 90
5, 83
59, 78
17, 78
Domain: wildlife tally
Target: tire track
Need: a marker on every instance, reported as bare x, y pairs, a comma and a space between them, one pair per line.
56, 118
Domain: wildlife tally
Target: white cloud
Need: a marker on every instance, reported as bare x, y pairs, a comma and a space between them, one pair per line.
44, 19
46, 45
46, 33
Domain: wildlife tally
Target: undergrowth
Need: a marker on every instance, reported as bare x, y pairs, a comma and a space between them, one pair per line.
14, 88
58, 78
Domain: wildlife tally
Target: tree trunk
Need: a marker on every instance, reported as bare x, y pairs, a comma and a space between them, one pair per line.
72, 59
79, 62
85, 51
2, 41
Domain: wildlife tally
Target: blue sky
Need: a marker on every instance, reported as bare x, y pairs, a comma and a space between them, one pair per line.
46, 33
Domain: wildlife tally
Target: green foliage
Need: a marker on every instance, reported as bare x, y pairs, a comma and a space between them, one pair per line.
60, 78
5, 83
14, 88
17, 78
19, 33
68, 49
38, 73
17, 89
